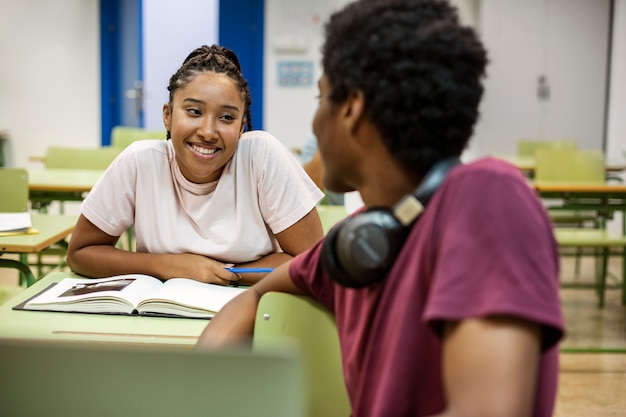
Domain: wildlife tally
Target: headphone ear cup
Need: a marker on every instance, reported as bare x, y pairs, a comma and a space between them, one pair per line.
360, 250
330, 262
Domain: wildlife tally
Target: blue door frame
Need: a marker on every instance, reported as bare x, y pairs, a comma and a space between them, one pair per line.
121, 64
241, 28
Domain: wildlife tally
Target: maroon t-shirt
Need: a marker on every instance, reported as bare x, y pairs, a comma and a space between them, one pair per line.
483, 246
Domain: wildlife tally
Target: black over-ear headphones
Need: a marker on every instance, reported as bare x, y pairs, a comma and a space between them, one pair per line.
360, 249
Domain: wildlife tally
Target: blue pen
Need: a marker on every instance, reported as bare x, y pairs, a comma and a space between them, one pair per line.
249, 270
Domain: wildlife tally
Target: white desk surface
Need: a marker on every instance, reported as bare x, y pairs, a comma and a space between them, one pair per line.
100, 328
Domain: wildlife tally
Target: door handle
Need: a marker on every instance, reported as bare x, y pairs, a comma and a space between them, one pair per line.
543, 88
136, 93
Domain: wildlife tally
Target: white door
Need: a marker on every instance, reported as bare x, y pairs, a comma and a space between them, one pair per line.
576, 64
547, 72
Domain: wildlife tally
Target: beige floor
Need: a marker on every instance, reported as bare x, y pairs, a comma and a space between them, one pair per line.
591, 384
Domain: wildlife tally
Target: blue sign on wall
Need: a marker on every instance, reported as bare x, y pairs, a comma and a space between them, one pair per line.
295, 74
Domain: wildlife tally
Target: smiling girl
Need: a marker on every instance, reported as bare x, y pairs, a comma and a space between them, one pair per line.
215, 194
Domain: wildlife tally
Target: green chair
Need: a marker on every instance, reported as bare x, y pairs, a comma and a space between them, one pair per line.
282, 319
604, 244
14, 190
80, 158
84, 158
60, 157
570, 165
330, 215
527, 147
122, 136
583, 167
14, 183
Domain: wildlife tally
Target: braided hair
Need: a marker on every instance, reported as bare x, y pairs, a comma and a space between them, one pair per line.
217, 59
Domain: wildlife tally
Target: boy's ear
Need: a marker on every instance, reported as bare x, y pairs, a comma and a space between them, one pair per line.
352, 110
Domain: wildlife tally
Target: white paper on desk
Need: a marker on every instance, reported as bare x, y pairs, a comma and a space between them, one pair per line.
15, 222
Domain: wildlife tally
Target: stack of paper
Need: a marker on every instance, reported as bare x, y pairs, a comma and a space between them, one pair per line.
15, 222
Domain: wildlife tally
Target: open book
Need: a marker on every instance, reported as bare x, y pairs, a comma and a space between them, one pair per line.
134, 294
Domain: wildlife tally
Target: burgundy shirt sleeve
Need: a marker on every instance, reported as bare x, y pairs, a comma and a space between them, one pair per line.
496, 255
308, 275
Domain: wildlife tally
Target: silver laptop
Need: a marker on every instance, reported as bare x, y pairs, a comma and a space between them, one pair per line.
63, 379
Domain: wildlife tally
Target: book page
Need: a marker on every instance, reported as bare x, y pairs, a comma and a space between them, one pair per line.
119, 294
186, 297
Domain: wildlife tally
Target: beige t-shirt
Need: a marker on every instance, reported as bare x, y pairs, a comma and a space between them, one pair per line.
262, 191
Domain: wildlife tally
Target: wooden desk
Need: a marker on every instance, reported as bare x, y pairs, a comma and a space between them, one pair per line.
604, 198
527, 164
611, 196
95, 328
51, 229
47, 185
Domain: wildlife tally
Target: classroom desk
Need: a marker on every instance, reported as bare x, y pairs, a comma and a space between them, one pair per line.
47, 185
605, 198
527, 164
92, 328
51, 228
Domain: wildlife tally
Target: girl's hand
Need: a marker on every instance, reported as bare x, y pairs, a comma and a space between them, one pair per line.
197, 267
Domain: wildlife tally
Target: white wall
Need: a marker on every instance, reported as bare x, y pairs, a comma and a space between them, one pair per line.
50, 72
49, 76
294, 33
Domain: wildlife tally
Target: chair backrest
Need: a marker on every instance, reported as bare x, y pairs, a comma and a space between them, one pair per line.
14, 186
330, 215
527, 147
283, 318
570, 165
122, 136
80, 158
76, 380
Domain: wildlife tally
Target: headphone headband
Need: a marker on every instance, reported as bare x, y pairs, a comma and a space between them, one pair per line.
412, 205
434, 178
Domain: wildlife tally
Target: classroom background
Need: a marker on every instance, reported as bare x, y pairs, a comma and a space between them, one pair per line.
50, 79
558, 71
